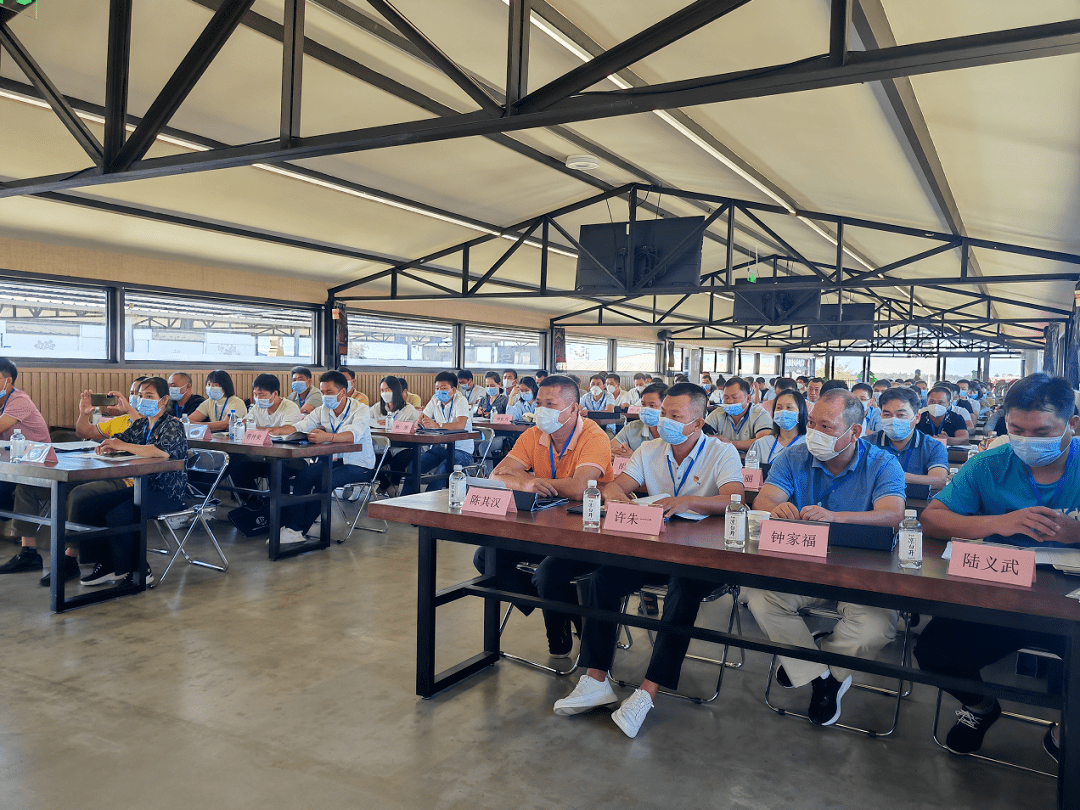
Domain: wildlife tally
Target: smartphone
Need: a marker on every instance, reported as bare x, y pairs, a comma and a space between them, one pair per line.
102, 400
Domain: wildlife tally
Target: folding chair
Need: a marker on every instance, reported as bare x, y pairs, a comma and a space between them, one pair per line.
198, 509
1023, 718
899, 693
734, 620
479, 468
381, 445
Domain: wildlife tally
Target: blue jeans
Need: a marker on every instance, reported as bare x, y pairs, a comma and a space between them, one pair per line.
432, 459
301, 517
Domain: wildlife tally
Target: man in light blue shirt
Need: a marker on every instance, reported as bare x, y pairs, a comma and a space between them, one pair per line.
835, 477
1026, 492
597, 398
925, 460
872, 419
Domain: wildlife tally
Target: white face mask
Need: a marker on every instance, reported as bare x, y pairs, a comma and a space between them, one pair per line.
547, 419
610, 389
596, 391
936, 410
508, 384
387, 396
640, 387
822, 446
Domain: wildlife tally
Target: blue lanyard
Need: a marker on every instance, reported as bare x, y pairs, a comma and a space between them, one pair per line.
344, 416
907, 454
445, 415
224, 405
146, 433
773, 450
742, 421
821, 501
551, 452
595, 405
179, 410
303, 398
937, 430
1060, 484
7, 399
690, 466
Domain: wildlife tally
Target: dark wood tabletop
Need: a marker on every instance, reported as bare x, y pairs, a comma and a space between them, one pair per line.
276, 450
701, 545
505, 427
427, 438
77, 469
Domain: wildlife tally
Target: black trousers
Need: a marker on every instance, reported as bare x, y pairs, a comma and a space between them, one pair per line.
117, 508
607, 588
954, 647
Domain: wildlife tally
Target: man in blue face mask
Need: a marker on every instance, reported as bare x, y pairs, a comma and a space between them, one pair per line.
699, 474
739, 421
647, 425
925, 461
1026, 492
303, 393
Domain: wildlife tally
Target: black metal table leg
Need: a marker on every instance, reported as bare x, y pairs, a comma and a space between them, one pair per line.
416, 467
276, 482
327, 501
491, 606
425, 615
58, 536
138, 565
1069, 755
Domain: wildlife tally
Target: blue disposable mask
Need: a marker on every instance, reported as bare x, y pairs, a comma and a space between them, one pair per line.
331, 402
214, 392
176, 393
896, 428
733, 410
443, 396
672, 431
262, 403
1037, 452
526, 396
147, 407
650, 416
786, 420
492, 391
299, 386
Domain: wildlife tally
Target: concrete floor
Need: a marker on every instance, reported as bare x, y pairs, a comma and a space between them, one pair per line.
290, 685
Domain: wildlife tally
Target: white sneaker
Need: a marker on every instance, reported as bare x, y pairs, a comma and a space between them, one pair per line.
289, 536
630, 715
587, 695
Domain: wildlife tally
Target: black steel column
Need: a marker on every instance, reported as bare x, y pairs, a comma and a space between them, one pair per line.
425, 614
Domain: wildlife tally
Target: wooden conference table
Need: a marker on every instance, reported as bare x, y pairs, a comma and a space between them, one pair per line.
697, 550
59, 477
415, 442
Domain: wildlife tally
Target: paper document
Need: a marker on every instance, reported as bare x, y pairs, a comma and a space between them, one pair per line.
69, 446
650, 499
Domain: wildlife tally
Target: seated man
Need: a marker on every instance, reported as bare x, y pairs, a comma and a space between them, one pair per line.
644, 428
938, 420
353, 393
1025, 492
663, 466
447, 409
509, 385
411, 399
640, 385
597, 398
184, 400
813, 393
556, 457
270, 411
836, 477
613, 385
925, 461
739, 421
303, 394
337, 420
871, 422
467, 387
104, 428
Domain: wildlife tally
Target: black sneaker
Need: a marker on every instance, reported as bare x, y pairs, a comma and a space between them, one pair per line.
26, 560
1049, 745
782, 677
825, 704
966, 736
99, 576
69, 569
561, 647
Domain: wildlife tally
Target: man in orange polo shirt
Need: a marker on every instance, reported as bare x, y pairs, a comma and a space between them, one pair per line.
556, 457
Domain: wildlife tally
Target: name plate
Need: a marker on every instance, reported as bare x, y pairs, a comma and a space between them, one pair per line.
634, 519
482, 501
198, 432
805, 538
37, 453
752, 479
257, 438
633, 410
406, 428
944, 440
502, 419
618, 464
1012, 566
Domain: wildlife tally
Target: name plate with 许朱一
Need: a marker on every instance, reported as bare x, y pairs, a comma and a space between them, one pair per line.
751, 479
257, 438
633, 518
482, 501
618, 464
502, 419
1012, 566
407, 428
805, 538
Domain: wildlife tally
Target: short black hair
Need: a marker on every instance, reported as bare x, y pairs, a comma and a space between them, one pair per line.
510, 371
541, 372
529, 383
786, 384
337, 378
568, 389
222, 378
161, 385
832, 385
853, 409
465, 374
882, 381
941, 388
800, 401
817, 380
641, 375
7, 369
655, 388
803, 378
598, 376
739, 381
348, 372
681, 378
447, 377
302, 371
404, 383
493, 375
861, 386
698, 398
613, 376
962, 382
267, 382
1041, 392
906, 394
760, 380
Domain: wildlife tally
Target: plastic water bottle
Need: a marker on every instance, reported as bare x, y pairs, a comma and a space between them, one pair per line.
457, 488
249, 421
234, 421
590, 513
952, 473
184, 419
735, 523
909, 543
18, 445
752, 461
974, 451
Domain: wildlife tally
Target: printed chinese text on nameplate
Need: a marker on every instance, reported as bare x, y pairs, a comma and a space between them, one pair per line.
751, 479
634, 519
257, 438
403, 427
487, 501
618, 464
805, 538
1013, 566
633, 410
501, 419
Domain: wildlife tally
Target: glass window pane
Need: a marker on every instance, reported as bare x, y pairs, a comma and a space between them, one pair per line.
586, 354
801, 365
961, 367
848, 367
42, 319
1004, 367
723, 362
379, 341
488, 349
768, 363
631, 358
904, 367
207, 330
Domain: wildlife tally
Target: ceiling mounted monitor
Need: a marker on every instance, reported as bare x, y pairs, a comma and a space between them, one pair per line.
768, 302
666, 255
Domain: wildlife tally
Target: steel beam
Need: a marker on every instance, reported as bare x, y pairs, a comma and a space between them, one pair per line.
116, 79
840, 32
292, 70
517, 56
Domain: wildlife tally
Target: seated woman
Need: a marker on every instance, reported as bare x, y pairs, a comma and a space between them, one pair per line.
392, 403
156, 434
526, 399
493, 400
789, 426
220, 401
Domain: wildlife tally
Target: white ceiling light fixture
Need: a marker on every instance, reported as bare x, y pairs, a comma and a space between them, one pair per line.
582, 163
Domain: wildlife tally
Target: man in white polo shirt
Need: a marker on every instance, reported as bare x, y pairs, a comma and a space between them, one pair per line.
700, 474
